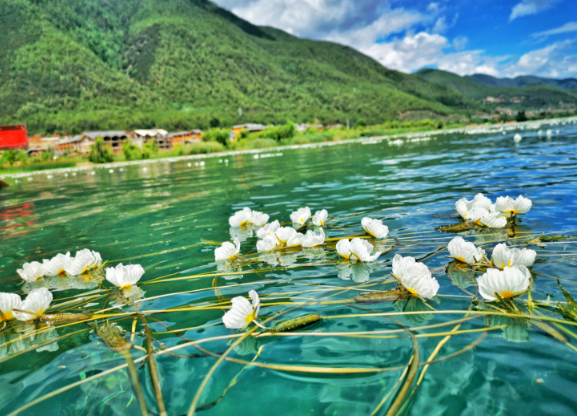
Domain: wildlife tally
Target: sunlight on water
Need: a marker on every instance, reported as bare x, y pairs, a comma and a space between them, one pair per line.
171, 216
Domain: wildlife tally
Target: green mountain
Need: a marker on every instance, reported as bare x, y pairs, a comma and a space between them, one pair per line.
522, 81
74, 65
528, 97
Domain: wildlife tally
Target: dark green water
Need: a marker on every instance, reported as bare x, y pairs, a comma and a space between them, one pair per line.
161, 217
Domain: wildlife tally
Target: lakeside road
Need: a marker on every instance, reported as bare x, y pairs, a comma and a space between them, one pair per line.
479, 129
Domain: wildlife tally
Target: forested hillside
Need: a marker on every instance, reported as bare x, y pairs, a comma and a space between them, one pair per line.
73, 65
529, 97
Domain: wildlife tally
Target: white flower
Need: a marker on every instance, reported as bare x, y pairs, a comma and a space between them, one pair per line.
301, 216
474, 209
227, 251
320, 217
268, 229
508, 206
266, 244
7, 303
375, 228
258, 218
414, 276
296, 240
124, 276
241, 233
84, 261
284, 234
242, 313
464, 251
356, 250
311, 239
504, 256
57, 265
31, 271
35, 304
508, 283
240, 218
493, 220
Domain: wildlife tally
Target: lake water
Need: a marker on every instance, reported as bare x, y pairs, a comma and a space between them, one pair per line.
170, 217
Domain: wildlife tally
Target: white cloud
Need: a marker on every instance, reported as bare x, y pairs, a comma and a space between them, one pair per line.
528, 7
460, 42
566, 28
367, 25
554, 61
425, 50
392, 21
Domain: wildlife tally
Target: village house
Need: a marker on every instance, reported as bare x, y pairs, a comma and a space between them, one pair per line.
250, 127
141, 136
188, 136
38, 144
83, 142
13, 137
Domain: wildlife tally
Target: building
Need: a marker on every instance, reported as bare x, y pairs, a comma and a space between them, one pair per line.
142, 136
78, 144
13, 137
188, 136
250, 127
38, 144
113, 138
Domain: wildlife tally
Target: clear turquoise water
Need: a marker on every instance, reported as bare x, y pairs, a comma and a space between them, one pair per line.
167, 217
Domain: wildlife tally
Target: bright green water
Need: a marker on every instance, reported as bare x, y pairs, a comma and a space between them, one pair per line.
161, 217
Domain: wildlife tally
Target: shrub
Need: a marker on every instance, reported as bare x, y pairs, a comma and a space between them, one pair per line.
8, 157
361, 123
203, 147
374, 132
216, 135
149, 148
131, 151
261, 143
277, 133
440, 124
100, 153
47, 155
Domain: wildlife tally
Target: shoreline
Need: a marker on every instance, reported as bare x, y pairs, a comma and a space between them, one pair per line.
533, 124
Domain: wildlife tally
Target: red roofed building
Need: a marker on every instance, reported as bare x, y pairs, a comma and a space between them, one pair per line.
13, 137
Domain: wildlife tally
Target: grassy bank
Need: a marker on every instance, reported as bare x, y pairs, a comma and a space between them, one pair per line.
245, 142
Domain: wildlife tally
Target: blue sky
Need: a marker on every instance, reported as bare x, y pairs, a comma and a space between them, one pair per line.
503, 38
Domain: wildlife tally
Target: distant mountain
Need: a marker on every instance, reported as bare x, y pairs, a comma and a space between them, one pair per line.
522, 81
528, 97
73, 65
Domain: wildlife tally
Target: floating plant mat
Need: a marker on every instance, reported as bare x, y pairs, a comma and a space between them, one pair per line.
339, 337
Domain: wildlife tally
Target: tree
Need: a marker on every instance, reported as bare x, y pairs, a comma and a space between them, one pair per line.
521, 116
9, 157
21, 156
214, 122
149, 148
100, 153
131, 151
361, 123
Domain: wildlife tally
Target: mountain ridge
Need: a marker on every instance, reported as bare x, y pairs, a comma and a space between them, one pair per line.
87, 64
523, 80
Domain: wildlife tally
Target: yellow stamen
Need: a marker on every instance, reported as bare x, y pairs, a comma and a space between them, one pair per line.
6, 316
126, 287
250, 318
510, 262
507, 294
461, 259
410, 290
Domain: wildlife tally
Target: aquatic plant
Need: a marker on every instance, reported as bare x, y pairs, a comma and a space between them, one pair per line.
375, 227
241, 314
498, 284
464, 251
